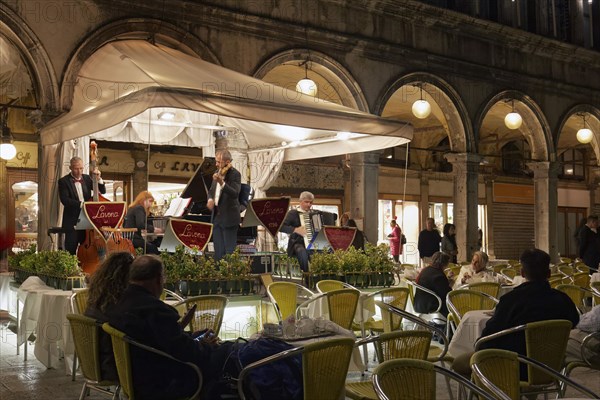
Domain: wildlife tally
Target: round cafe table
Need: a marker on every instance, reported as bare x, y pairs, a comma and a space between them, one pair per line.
468, 331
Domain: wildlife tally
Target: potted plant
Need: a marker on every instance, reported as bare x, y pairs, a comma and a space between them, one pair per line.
324, 265
172, 269
235, 272
354, 264
58, 269
381, 266
14, 263
208, 276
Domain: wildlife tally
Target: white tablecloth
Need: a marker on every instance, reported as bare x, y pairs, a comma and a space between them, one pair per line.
7, 302
53, 330
30, 295
595, 277
468, 331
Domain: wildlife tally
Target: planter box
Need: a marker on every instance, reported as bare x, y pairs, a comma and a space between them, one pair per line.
357, 279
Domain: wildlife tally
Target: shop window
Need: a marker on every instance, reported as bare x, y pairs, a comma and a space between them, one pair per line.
573, 164
25, 196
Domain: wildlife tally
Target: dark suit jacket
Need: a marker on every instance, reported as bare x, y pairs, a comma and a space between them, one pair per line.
435, 280
292, 221
589, 247
227, 212
69, 199
152, 322
528, 302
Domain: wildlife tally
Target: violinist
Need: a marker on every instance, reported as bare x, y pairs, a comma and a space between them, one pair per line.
73, 190
223, 201
136, 218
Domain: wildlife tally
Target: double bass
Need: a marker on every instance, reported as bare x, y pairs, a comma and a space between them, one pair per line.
93, 249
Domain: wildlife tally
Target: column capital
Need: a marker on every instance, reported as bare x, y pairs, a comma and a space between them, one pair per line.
461, 158
366, 158
544, 169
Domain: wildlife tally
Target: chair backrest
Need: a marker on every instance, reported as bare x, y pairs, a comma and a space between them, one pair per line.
342, 306
122, 359
498, 267
452, 270
565, 269
595, 286
394, 296
86, 333
403, 344
414, 286
462, 301
546, 342
327, 285
499, 367
581, 279
491, 288
575, 293
284, 295
554, 282
325, 366
169, 295
414, 379
79, 300
509, 273
209, 312
581, 267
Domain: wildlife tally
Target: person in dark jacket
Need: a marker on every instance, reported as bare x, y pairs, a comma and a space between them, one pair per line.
589, 243
429, 241
144, 317
433, 278
107, 285
359, 238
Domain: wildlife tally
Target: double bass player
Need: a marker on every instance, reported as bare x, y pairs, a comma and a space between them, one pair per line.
73, 190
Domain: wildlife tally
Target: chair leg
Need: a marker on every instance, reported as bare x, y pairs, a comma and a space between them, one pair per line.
84, 391
74, 372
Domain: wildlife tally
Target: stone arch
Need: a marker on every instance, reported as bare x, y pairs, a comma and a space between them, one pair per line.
132, 28
335, 74
458, 125
37, 61
535, 127
593, 123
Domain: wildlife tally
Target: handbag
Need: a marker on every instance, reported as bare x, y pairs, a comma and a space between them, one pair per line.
403, 239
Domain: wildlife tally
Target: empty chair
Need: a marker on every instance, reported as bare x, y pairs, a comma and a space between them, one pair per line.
565, 269
589, 354
462, 301
415, 380
341, 304
122, 346
395, 296
170, 296
491, 288
497, 371
209, 312
577, 294
581, 267
324, 368
389, 346
435, 315
508, 273
327, 285
497, 268
284, 296
452, 270
87, 345
581, 279
79, 300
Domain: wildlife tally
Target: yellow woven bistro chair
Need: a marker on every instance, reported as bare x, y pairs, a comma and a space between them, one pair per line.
577, 294
395, 296
341, 303
497, 268
169, 295
589, 354
461, 301
209, 312
79, 300
581, 267
328, 285
389, 346
546, 342
122, 350
452, 271
491, 288
565, 269
581, 279
497, 372
433, 316
508, 273
285, 295
595, 286
410, 379
86, 334
324, 368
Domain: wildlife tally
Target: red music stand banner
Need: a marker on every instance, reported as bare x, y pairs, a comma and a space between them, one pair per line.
269, 212
191, 234
340, 238
98, 214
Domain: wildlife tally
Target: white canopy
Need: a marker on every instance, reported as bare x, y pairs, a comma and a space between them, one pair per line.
123, 79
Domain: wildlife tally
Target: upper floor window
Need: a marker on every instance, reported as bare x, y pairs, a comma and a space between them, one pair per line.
573, 164
514, 156
441, 164
395, 156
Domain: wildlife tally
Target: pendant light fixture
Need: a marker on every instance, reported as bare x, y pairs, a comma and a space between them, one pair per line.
421, 108
306, 85
513, 119
8, 151
584, 135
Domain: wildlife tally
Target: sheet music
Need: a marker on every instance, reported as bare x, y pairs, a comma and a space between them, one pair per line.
177, 207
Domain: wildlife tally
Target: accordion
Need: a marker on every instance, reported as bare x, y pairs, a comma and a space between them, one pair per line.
313, 221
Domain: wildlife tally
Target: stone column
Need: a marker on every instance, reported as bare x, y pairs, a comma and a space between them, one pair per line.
545, 191
235, 142
140, 172
424, 202
594, 182
364, 170
465, 170
489, 228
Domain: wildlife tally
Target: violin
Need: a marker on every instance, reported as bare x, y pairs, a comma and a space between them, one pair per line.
93, 249
222, 172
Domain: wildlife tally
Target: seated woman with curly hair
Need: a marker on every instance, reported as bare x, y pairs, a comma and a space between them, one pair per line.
105, 289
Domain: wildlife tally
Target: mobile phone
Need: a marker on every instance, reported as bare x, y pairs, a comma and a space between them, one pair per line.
207, 334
